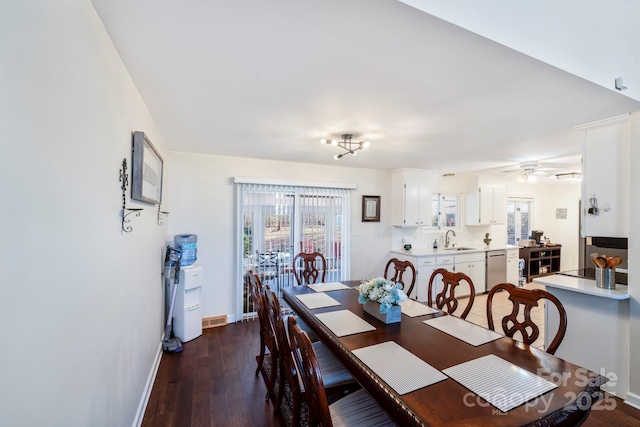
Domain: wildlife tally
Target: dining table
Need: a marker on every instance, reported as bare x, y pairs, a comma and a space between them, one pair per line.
424, 370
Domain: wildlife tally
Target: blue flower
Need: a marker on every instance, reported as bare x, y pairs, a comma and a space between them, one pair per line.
383, 291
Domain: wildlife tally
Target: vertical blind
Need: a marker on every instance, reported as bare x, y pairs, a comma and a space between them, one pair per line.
275, 222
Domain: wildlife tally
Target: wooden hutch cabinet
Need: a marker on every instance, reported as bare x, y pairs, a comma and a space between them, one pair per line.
540, 261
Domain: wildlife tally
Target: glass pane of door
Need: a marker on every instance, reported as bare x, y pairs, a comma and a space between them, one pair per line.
525, 216
519, 220
511, 222
321, 230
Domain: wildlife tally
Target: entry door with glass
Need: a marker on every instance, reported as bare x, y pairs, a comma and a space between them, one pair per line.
519, 220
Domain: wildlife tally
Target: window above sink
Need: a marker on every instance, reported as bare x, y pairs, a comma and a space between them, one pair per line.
445, 208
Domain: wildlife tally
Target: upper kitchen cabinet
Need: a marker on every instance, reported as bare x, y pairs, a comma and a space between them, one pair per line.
486, 202
412, 195
606, 181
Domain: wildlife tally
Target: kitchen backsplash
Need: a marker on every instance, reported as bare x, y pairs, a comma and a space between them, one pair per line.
467, 236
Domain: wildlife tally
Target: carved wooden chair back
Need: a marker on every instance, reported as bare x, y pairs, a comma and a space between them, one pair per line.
527, 298
399, 268
311, 266
286, 363
446, 299
315, 395
268, 338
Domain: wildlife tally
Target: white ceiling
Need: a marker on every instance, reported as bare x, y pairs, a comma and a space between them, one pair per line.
269, 79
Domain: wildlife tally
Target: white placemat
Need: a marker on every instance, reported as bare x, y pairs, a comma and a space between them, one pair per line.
414, 309
499, 382
318, 300
344, 322
463, 330
400, 369
329, 286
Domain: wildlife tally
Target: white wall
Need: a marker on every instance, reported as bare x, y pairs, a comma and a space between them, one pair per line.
634, 266
81, 301
595, 40
203, 203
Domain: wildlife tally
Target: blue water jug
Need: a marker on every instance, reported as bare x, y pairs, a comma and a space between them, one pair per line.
187, 243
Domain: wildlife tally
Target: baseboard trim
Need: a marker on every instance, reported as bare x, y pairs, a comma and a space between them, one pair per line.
633, 400
142, 407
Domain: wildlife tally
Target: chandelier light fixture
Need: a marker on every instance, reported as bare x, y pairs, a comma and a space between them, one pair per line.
346, 144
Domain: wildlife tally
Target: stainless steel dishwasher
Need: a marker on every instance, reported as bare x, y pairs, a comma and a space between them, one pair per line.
496, 268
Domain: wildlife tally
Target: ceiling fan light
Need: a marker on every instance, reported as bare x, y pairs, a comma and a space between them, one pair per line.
366, 144
334, 142
324, 141
576, 176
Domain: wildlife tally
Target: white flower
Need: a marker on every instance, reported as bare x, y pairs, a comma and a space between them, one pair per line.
382, 291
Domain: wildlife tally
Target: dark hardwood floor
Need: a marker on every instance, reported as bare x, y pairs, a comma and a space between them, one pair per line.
212, 383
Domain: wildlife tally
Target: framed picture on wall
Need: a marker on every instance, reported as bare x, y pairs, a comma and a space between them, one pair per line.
146, 173
370, 208
561, 213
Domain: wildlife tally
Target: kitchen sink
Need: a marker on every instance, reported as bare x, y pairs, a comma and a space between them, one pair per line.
459, 248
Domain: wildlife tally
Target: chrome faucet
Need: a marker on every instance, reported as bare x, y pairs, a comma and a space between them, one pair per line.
446, 238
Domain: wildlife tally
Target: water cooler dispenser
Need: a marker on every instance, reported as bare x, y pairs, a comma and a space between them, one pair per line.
187, 313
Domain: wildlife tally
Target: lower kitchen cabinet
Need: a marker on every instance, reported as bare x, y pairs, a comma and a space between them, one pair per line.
425, 265
472, 264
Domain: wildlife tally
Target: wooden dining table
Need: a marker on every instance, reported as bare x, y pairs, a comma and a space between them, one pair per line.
447, 402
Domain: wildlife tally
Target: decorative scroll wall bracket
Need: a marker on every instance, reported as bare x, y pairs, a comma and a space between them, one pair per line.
124, 179
161, 215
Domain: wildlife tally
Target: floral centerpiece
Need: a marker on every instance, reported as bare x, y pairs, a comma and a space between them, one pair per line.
385, 294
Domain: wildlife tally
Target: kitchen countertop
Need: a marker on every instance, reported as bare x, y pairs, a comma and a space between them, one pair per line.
583, 286
441, 251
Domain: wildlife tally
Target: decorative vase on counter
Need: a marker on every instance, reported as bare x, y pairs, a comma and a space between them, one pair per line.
394, 315
487, 240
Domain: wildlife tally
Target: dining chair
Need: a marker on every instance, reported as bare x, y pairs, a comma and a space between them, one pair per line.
355, 409
528, 298
311, 266
399, 269
268, 338
446, 300
334, 373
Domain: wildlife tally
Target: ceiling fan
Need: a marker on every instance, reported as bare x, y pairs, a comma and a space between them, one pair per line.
531, 167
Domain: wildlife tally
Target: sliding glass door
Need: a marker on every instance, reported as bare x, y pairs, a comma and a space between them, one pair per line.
277, 222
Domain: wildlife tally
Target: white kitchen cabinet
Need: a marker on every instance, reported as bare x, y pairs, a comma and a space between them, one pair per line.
486, 203
606, 191
412, 194
425, 265
512, 265
473, 265
442, 261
